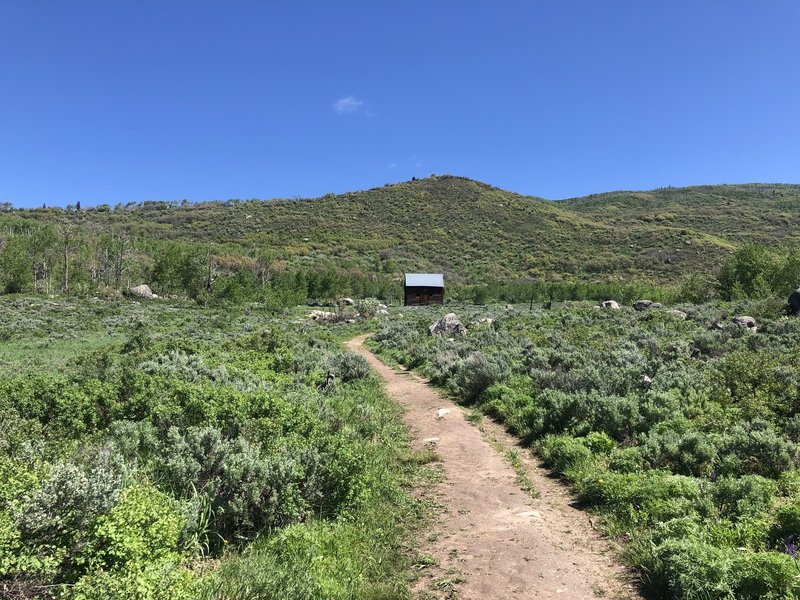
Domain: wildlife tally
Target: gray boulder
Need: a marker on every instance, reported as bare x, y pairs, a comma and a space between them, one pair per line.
746, 322
321, 315
612, 304
678, 314
448, 325
482, 321
641, 305
143, 291
794, 302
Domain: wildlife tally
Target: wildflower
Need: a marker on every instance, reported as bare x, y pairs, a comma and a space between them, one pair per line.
791, 549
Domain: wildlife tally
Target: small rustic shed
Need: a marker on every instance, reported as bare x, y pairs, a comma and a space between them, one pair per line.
424, 288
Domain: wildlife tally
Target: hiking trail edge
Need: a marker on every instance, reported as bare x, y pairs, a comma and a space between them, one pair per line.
492, 539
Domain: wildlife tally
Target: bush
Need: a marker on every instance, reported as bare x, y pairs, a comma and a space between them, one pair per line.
349, 367
477, 373
563, 453
692, 569
143, 527
748, 495
786, 528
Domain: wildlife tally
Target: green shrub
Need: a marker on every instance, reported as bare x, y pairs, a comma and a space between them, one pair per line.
349, 367
766, 576
787, 526
747, 495
599, 442
142, 527
477, 373
563, 453
692, 569
161, 580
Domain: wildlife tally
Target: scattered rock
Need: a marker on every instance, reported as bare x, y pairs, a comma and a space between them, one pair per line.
678, 314
641, 305
509, 307
382, 313
746, 322
448, 325
612, 304
321, 315
530, 513
794, 302
346, 302
442, 412
647, 380
382, 307
351, 321
143, 291
482, 321
431, 441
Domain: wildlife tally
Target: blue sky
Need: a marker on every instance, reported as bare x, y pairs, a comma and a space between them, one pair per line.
129, 101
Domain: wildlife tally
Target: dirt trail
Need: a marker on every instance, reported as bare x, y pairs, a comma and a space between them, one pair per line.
492, 539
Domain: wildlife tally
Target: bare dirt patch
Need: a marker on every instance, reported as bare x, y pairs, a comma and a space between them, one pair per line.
491, 538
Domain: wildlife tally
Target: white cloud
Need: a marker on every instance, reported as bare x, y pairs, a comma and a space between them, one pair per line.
411, 162
347, 105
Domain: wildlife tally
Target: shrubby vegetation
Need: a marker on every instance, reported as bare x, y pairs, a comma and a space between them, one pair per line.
682, 434
193, 454
283, 253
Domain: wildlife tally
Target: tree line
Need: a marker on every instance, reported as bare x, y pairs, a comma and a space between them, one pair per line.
47, 258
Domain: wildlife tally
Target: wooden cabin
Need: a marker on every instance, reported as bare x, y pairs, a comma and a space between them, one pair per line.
423, 288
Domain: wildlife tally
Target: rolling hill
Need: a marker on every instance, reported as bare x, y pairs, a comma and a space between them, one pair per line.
469, 230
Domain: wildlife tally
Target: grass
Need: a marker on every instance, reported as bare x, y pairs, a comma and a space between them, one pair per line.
183, 368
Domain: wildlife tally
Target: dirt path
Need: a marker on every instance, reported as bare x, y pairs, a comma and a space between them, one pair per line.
492, 540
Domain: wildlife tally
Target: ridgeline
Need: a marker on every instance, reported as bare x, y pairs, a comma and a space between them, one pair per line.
470, 231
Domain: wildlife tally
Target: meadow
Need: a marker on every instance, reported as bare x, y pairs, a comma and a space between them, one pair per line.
166, 450
680, 430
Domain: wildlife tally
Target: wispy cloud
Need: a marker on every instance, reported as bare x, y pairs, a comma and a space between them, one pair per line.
347, 105
411, 162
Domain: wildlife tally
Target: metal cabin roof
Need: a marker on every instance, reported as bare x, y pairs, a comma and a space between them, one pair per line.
424, 280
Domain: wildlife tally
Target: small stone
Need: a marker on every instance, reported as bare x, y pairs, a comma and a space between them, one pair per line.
442, 412
431, 441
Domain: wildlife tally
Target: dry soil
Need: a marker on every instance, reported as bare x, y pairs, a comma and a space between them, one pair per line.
491, 539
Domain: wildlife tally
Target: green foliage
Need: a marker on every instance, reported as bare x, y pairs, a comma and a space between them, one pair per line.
756, 271
284, 253
682, 434
143, 461
349, 367
142, 527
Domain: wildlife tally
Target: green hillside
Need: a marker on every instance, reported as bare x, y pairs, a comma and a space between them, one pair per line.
469, 230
